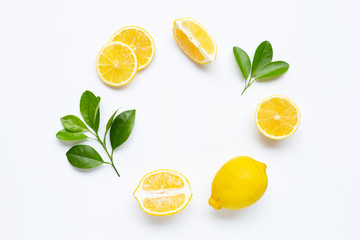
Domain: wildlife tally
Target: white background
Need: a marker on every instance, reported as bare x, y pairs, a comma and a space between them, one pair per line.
190, 118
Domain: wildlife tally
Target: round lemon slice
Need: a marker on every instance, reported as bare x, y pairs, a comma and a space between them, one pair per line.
163, 192
195, 40
277, 117
140, 41
116, 64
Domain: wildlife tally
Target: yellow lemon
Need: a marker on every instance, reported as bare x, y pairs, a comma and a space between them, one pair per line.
238, 184
163, 192
116, 64
277, 117
140, 41
194, 40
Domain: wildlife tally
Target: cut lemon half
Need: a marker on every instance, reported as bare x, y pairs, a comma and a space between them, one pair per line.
116, 64
277, 117
140, 41
194, 40
163, 192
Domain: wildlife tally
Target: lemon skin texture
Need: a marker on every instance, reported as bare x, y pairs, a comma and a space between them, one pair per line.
239, 183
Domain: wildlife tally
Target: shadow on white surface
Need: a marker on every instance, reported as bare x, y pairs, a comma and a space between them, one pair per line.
229, 214
92, 170
268, 141
160, 220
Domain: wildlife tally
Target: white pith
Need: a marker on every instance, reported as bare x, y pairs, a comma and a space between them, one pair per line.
140, 194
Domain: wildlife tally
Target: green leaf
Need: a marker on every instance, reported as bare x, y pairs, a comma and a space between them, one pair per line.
121, 128
263, 56
97, 118
73, 124
89, 108
70, 136
243, 61
110, 122
84, 156
272, 70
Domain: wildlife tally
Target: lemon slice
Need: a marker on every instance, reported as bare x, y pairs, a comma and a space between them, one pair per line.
116, 64
140, 41
194, 40
163, 192
277, 117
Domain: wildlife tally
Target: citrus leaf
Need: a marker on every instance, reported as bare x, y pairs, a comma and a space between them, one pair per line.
73, 124
121, 128
84, 156
70, 136
110, 122
272, 70
263, 56
97, 118
243, 61
89, 106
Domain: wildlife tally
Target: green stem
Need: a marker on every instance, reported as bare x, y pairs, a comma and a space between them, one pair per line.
248, 85
103, 144
244, 90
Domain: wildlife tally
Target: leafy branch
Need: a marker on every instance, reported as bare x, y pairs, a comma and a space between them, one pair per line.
84, 156
262, 65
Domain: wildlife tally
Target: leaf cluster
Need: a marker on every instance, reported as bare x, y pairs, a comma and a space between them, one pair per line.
83, 156
262, 65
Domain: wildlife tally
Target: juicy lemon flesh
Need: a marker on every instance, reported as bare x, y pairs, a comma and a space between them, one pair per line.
140, 41
162, 180
117, 63
198, 32
239, 183
194, 40
277, 117
163, 192
164, 204
188, 47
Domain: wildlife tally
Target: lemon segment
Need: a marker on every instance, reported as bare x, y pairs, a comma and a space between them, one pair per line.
163, 192
277, 117
239, 183
116, 64
195, 41
140, 41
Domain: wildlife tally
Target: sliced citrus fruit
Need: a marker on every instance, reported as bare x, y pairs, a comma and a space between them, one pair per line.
140, 41
194, 40
163, 192
277, 117
116, 64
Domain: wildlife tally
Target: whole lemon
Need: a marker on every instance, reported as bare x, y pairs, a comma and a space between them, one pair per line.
238, 184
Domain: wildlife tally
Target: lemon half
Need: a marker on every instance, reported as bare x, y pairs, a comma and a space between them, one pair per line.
163, 192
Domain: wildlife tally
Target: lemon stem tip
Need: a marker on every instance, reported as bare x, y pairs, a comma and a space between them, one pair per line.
215, 204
